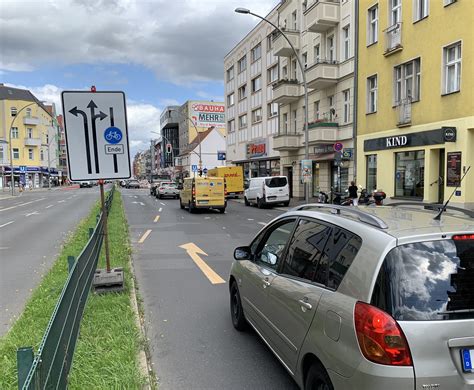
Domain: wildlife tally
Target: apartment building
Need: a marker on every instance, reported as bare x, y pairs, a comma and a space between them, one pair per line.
169, 124
26, 135
416, 99
250, 69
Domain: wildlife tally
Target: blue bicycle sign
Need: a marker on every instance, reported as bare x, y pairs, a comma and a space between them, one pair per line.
113, 135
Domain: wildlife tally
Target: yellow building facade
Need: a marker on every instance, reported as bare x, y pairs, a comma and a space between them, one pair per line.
415, 131
31, 137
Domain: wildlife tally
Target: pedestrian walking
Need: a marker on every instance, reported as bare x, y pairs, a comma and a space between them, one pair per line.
353, 194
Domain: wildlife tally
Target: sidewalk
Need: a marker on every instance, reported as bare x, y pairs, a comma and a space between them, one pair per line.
7, 193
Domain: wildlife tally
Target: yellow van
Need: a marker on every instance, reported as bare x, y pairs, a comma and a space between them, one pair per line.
203, 193
234, 179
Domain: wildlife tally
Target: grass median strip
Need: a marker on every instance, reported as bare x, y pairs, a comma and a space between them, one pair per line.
109, 340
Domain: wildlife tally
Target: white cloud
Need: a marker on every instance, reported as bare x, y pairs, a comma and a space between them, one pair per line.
181, 41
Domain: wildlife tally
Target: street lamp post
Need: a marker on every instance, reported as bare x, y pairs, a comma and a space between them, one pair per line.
11, 149
305, 86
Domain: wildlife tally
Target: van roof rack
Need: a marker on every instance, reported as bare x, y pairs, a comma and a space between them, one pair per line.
433, 207
336, 209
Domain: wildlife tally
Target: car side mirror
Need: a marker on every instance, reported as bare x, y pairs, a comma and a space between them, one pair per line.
242, 253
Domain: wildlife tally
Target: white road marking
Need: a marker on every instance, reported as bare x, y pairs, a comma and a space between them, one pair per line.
51, 205
261, 223
3, 247
135, 196
6, 224
163, 204
140, 203
207, 217
33, 213
159, 210
22, 204
223, 227
61, 201
250, 219
269, 215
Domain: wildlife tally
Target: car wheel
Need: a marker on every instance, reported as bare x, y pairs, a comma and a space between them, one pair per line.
236, 311
181, 205
247, 203
286, 204
222, 211
190, 208
317, 378
260, 203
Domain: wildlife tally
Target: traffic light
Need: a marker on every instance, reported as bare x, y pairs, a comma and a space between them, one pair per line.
169, 148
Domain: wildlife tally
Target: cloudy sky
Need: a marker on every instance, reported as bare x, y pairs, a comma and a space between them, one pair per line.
159, 52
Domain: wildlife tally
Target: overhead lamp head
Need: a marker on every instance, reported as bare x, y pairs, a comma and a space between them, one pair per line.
242, 10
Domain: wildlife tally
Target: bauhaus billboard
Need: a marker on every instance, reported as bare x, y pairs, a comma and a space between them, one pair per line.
207, 114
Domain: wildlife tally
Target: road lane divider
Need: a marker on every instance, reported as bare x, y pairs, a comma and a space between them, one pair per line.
194, 251
6, 224
157, 218
144, 237
22, 204
51, 205
159, 210
163, 204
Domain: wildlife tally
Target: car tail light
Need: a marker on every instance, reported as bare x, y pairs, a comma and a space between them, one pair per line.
381, 339
194, 192
462, 237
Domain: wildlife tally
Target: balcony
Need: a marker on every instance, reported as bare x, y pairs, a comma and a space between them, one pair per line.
31, 120
322, 74
281, 47
404, 113
322, 15
286, 141
32, 141
286, 91
323, 132
393, 39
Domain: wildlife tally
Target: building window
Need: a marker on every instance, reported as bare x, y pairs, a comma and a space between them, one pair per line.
285, 123
305, 60
16, 153
316, 110
294, 114
284, 72
452, 68
347, 105
1, 153
256, 115
42, 155
420, 9
346, 42
305, 5
410, 174
293, 67
332, 110
372, 94
231, 126
373, 23
448, 2
242, 64
15, 133
256, 52
395, 12
230, 99
272, 109
47, 138
242, 121
30, 154
317, 53
29, 132
371, 173
294, 20
330, 48
269, 42
257, 84
28, 112
272, 74
407, 82
230, 73
13, 111
243, 92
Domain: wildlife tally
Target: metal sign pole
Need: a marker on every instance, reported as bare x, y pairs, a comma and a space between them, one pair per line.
104, 221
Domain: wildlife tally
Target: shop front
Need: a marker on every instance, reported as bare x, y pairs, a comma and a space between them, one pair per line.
421, 166
258, 162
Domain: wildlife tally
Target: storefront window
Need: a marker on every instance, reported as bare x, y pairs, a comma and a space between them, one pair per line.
315, 179
340, 183
275, 167
254, 169
371, 172
410, 174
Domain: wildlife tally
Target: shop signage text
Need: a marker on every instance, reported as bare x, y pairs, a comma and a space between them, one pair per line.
396, 142
325, 148
256, 150
453, 169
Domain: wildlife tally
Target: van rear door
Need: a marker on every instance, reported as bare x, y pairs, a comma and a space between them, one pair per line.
276, 189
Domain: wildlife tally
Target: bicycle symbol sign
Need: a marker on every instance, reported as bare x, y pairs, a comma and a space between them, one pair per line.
113, 135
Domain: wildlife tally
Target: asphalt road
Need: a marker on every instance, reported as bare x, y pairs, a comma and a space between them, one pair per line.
193, 342
32, 228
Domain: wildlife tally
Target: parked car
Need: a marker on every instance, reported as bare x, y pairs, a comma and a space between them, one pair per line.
267, 191
167, 189
85, 184
362, 298
132, 184
203, 193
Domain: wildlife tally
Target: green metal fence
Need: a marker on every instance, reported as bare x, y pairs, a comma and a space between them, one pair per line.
49, 369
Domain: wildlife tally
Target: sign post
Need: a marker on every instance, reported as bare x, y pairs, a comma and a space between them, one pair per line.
96, 131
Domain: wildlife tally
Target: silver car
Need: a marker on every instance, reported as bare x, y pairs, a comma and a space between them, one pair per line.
167, 189
362, 298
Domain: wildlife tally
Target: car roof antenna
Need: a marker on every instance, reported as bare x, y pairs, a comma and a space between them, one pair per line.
438, 216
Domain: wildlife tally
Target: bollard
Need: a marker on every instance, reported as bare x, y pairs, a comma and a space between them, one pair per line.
70, 261
24, 358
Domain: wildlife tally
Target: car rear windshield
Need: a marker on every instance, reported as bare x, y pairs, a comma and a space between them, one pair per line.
276, 182
431, 280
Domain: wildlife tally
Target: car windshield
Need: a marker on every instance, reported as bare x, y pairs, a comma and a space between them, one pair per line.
276, 182
431, 280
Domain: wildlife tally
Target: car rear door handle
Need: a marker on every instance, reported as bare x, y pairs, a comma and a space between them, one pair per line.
305, 304
266, 283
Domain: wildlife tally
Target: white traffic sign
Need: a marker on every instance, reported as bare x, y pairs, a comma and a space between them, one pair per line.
96, 135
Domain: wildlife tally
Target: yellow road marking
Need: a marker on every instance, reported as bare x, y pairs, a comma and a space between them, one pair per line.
194, 251
157, 218
144, 237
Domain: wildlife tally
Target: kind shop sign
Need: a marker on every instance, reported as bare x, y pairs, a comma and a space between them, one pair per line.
208, 115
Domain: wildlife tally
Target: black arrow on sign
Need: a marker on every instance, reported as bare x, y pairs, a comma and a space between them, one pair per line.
95, 116
112, 124
74, 112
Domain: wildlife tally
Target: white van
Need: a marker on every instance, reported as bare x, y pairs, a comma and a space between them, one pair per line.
270, 190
